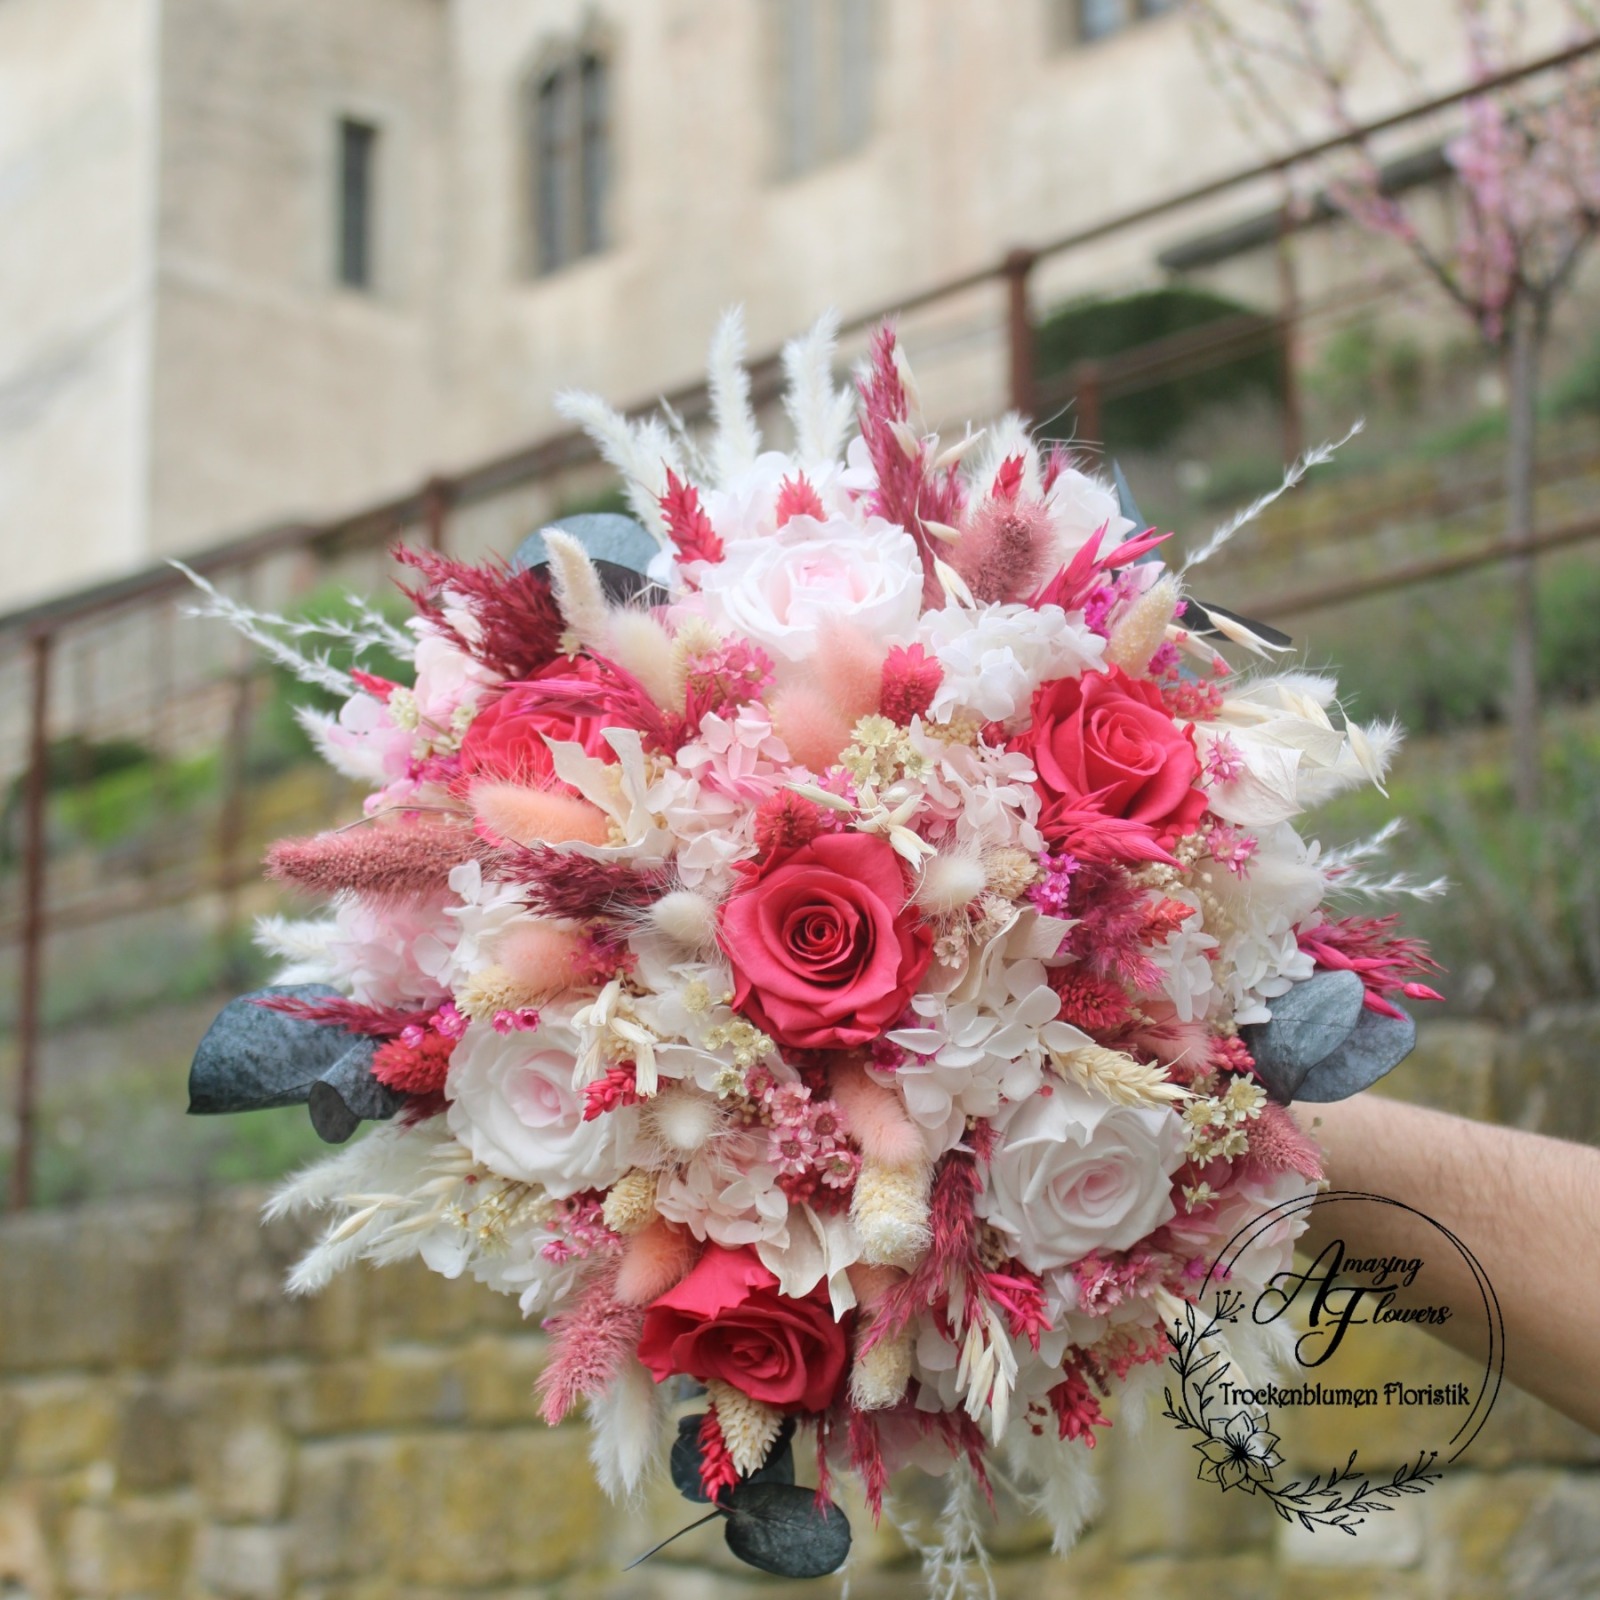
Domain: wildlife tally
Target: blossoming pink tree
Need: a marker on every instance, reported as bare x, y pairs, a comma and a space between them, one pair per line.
1526, 164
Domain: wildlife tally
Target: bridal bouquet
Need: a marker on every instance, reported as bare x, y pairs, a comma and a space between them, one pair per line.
836, 947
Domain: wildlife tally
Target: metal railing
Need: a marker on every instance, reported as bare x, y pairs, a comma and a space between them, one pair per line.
32, 640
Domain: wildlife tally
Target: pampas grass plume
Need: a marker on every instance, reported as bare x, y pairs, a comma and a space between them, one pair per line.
686, 918
877, 1120
654, 1259
848, 668
950, 882
643, 647
810, 725
540, 958
538, 816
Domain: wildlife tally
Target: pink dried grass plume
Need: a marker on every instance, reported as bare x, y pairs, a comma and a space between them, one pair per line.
373, 1022
654, 1260
514, 813
589, 1346
876, 1119
848, 668
1278, 1145
1385, 962
909, 492
1005, 552
811, 725
562, 884
390, 862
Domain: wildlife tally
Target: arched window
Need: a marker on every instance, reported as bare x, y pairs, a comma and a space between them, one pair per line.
569, 157
823, 50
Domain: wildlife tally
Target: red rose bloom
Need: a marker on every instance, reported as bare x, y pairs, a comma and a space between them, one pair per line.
726, 1320
506, 738
1105, 742
825, 951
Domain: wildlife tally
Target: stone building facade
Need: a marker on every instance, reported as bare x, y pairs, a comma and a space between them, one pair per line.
266, 258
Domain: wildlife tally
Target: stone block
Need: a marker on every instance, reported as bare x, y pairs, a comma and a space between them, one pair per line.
1530, 1534
339, 1511
152, 1441
397, 1387
500, 1373
89, 1289
1393, 1539
132, 1550
234, 1305
244, 1563
1545, 1079
1452, 1068
64, 1424
1156, 1504
410, 1304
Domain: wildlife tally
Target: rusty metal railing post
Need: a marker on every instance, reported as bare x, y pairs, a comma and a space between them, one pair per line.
1017, 269
437, 495
1087, 387
31, 980
1288, 336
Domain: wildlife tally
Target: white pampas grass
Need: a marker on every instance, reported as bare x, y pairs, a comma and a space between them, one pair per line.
950, 882
1001, 441
640, 451
1320, 456
576, 585
625, 1430
1056, 1482
820, 413
749, 1427
306, 945
640, 645
736, 439
686, 918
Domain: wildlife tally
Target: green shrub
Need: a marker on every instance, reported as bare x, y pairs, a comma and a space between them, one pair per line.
1150, 417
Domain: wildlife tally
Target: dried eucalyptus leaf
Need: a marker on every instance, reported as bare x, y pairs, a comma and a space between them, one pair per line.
1308, 1024
347, 1095
782, 1528
1378, 1045
253, 1058
619, 546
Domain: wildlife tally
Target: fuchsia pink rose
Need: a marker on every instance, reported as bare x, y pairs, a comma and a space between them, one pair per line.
825, 949
506, 739
1106, 742
727, 1321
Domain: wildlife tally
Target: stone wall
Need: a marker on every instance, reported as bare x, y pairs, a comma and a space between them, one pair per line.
173, 1427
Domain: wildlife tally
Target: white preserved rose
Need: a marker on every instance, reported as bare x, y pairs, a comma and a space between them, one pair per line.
1072, 1172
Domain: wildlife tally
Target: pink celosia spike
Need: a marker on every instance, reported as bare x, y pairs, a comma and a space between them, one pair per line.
1008, 480
718, 1474
687, 524
876, 1118
588, 1346
654, 1259
388, 862
796, 498
516, 814
376, 1022
866, 1456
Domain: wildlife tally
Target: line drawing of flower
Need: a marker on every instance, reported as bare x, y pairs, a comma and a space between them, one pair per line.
1243, 1456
